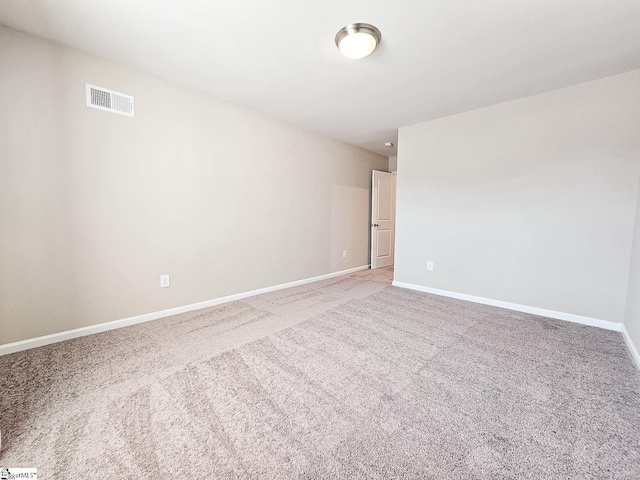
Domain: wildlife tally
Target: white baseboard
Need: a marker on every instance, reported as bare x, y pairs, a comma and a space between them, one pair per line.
632, 348
125, 322
569, 317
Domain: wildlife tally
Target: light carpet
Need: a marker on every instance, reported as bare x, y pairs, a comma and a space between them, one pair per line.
344, 378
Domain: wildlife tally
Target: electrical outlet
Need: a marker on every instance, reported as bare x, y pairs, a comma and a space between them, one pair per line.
430, 266
164, 281
344, 254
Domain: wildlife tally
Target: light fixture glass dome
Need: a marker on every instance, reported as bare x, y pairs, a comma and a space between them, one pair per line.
358, 40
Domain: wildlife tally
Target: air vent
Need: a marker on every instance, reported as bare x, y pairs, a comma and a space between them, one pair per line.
105, 99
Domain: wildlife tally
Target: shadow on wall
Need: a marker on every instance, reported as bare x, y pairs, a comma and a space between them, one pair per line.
350, 207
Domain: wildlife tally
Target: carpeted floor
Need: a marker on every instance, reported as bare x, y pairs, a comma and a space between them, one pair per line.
344, 378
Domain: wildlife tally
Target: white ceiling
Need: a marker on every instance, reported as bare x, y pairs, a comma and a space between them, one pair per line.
278, 57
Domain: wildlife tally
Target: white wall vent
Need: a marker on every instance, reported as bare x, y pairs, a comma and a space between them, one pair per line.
105, 99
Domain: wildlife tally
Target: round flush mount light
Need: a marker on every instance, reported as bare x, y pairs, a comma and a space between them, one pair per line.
388, 144
358, 40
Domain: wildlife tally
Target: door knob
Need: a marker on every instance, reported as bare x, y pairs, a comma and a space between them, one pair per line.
375, 225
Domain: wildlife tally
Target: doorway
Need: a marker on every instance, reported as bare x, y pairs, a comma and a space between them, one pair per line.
383, 218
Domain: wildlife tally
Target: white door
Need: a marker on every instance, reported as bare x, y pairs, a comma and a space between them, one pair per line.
383, 218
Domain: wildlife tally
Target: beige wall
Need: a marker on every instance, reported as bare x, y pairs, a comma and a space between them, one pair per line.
632, 314
530, 202
95, 206
393, 164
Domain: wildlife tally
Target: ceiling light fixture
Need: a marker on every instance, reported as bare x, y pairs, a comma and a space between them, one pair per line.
388, 144
358, 40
